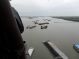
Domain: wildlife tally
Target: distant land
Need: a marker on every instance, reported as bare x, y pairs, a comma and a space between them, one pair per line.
70, 18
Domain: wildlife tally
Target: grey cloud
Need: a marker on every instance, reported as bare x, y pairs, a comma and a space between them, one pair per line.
53, 7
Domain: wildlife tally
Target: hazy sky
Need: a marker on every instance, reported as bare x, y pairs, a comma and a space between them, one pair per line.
46, 7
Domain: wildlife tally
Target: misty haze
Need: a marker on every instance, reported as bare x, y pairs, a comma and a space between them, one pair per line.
53, 20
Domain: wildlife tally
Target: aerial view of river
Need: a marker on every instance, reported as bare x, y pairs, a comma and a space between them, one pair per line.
61, 32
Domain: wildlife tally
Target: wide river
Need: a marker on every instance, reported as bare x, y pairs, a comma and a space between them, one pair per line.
61, 32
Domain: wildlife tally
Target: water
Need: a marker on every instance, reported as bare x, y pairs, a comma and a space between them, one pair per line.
63, 33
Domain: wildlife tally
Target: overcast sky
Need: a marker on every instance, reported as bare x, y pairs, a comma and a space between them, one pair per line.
46, 7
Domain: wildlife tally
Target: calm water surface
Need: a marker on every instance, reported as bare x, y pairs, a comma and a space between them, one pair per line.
63, 33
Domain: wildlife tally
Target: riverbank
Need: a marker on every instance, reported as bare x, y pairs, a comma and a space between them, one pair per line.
69, 18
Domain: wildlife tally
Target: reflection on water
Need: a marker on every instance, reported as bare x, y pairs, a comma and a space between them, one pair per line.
63, 33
